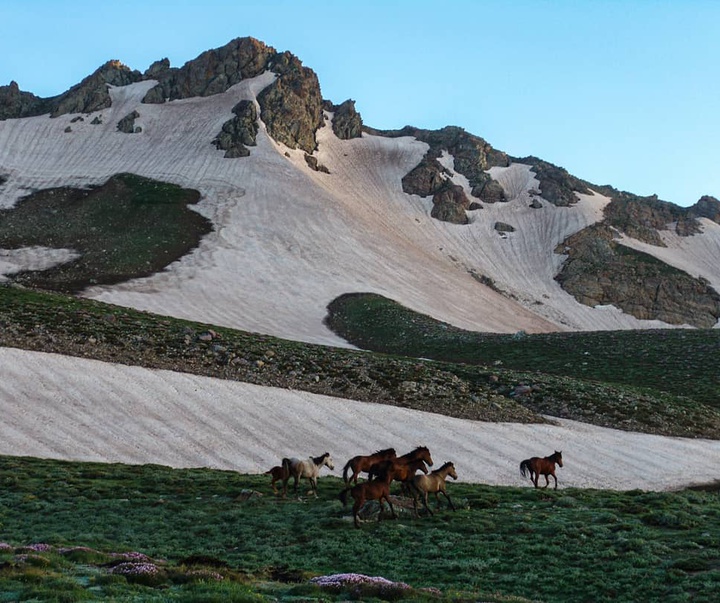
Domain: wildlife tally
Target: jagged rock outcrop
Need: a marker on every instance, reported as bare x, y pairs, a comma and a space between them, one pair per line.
127, 123
240, 131
707, 207
450, 203
347, 122
490, 191
291, 107
212, 72
472, 154
15, 103
157, 70
89, 95
427, 177
642, 217
92, 93
472, 157
600, 271
556, 185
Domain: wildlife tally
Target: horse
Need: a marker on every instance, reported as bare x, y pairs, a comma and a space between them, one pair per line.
435, 482
402, 472
309, 468
280, 473
358, 464
377, 489
536, 466
420, 453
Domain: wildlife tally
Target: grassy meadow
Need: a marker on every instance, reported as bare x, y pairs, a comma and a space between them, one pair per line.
88, 531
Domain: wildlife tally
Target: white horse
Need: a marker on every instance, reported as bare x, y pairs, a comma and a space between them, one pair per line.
309, 468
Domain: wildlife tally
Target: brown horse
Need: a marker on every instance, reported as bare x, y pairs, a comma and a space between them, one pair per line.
421, 453
402, 472
280, 473
435, 482
358, 464
309, 468
377, 489
537, 466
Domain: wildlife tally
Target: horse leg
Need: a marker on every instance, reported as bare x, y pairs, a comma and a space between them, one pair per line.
547, 481
313, 485
555, 478
452, 506
356, 509
425, 501
415, 509
392, 510
535, 479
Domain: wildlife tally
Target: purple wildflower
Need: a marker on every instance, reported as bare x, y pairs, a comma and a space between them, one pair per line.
354, 580
130, 568
4, 546
205, 575
38, 547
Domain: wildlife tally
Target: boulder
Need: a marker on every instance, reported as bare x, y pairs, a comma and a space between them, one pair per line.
127, 123
449, 204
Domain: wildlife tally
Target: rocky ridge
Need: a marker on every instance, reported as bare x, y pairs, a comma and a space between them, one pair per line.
598, 270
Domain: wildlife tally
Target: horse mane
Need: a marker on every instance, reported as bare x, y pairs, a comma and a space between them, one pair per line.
386, 451
418, 448
319, 459
445, 466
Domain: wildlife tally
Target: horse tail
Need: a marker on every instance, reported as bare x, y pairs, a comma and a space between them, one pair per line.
525, 467
285, 463
345, 471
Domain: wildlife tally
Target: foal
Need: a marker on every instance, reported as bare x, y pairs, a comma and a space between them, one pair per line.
280, 473
546, 466
377, 489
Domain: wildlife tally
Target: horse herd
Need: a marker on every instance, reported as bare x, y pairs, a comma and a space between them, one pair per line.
384, 466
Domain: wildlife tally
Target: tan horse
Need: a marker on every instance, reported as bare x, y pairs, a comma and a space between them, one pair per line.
309, 468
377, 489
536, 466
358, 464
433, 483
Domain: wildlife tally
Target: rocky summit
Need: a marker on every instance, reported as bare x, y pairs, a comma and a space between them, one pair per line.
305, 202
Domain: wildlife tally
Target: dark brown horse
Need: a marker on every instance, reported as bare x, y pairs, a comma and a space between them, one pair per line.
435, 483
421, 453
280, 473
358, 464
537, 466
377, 489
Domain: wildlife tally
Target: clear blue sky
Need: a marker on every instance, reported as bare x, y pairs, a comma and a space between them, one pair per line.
618, 92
